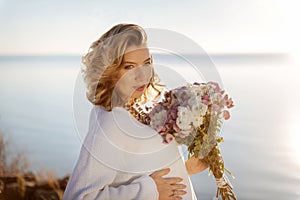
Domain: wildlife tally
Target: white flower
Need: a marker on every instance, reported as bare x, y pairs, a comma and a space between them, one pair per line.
184, 133
184, 118
211, 87
198, 111
198, 90
194, 100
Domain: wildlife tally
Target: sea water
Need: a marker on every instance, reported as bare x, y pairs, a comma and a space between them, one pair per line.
40, 96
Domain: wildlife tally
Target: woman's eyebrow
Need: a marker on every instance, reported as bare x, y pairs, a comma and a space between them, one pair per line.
134, 62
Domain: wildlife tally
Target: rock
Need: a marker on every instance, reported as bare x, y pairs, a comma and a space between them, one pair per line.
26, 188
42, 194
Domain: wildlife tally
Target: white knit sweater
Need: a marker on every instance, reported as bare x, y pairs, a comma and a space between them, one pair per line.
117, 157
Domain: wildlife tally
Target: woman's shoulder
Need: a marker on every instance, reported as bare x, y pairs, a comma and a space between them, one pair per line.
113, 124
100, 112
118, 139
120, 127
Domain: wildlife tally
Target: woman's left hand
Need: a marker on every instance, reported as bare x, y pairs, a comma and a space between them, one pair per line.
195, 165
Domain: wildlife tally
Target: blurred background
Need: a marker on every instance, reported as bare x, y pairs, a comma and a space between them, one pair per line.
253, 44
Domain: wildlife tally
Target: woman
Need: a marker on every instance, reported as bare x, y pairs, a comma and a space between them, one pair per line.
120, 157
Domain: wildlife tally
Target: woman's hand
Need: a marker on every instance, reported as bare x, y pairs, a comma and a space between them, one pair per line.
195, 165
168, 188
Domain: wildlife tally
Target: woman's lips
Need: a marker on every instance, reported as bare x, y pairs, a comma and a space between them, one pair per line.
141, 88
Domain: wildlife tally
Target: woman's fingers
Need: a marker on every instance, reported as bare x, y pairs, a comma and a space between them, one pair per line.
161, 172
178, 186
173, 180
175, 197
169, 187
179, 192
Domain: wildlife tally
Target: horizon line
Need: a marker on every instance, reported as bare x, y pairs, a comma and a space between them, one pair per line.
276, 54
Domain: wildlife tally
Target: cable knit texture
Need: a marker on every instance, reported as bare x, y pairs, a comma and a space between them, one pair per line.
117, 157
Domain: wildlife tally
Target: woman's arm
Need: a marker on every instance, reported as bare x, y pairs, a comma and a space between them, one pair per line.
92, 180
195, 165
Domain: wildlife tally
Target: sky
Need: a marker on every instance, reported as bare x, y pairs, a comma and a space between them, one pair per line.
68, 27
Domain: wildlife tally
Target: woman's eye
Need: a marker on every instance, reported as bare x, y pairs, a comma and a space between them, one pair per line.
147, 63
128, 67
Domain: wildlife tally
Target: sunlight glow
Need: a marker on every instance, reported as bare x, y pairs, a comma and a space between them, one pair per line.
294, 140
295, 55
289, 14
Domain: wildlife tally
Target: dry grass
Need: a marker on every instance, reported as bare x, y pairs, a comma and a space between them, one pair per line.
12, 161
47, 178
14, 164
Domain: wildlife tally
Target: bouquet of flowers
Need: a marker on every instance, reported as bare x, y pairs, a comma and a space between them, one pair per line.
193, 115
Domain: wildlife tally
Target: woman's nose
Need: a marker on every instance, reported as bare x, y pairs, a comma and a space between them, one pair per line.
141, 74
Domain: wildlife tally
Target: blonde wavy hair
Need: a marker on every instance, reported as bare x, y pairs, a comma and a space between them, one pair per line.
100, 65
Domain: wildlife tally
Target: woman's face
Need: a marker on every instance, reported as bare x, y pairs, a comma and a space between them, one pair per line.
135, 72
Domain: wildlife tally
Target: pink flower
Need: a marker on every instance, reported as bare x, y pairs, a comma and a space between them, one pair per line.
173, 113
176, 128
217, 89
205, 99
215, 107
229, 103
159, 128
164, 129
205, 102
163, 133
169, 138
226, 114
